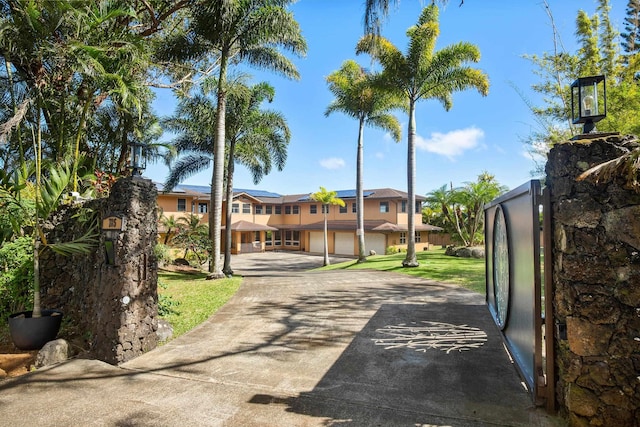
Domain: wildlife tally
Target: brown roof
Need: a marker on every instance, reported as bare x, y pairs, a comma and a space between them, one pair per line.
372, 225
376, 193
250, 226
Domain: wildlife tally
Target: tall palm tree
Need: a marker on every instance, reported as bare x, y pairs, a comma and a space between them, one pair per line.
357, 97
249, 31
423, 74
256, 138
326, 198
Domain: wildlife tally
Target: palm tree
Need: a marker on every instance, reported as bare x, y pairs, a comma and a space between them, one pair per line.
256, 138
171, 224
192, 235
326, 198
423, 74
377, 10
356, 96
242, 31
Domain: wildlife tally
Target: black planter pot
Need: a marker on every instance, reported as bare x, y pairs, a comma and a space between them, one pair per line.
29, 333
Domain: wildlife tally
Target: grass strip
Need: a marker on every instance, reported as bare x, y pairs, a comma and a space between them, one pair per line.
434, 265
191, 299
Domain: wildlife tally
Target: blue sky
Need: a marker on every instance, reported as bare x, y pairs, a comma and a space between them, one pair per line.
478, 134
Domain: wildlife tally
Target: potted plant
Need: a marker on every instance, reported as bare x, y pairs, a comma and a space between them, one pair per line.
32, 329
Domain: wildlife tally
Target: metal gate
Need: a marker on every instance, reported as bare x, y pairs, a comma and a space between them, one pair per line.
514, 288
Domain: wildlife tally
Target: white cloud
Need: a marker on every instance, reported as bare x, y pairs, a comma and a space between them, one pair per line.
332, 163
451, 144
379, 155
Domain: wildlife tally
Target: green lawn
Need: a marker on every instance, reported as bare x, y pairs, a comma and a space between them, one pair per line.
434, 264
197, 298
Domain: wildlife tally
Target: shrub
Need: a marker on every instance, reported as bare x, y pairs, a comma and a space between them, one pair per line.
163, 254
16, 275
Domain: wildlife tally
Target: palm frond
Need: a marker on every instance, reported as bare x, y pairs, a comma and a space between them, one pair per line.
625, 167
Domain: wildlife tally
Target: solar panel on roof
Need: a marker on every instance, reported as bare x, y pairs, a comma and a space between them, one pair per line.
198, 188
256, 193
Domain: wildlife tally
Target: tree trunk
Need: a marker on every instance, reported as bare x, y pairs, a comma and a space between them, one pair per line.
226, 269
326, 242
360, 194
217, 180
411, 260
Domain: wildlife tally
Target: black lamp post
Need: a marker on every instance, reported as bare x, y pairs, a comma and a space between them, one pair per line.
137, 161
588, 101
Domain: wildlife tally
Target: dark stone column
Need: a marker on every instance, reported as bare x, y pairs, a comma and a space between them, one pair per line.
110, 299
596, 261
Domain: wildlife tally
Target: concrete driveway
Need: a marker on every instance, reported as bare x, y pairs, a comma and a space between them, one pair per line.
296, 348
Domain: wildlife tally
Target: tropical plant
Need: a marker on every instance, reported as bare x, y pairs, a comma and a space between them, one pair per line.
192, 235
423, 74
327, 198
356, 96
170, 224
49, 193
237, 31
462, 208
16, 275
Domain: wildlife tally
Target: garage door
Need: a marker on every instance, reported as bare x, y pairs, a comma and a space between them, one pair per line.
344, 244
375, 242
316, 242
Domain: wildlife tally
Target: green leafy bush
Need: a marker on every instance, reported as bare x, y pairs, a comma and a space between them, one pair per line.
163, 254
390, 250
16, 275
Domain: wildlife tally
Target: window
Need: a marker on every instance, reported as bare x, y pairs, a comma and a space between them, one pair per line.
287, 210
182, 205
384, 207
354, 207
277, 238
268, 209
313, 209
418, 207
258, 209
418, 237
256, 236
343, 209
246, 208
296, 209
235, 208
325, 209
292, 238
403, 206
268, 238
278, 209
403, 237
202, 207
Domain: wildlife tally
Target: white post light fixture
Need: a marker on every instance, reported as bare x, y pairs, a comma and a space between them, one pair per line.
588, 101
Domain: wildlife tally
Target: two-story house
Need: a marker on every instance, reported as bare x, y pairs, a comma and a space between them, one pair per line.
263, 220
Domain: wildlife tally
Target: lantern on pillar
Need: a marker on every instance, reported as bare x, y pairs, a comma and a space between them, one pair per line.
137, 160
588, 101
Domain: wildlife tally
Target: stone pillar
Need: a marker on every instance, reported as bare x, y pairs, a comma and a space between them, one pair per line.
596, 262
110, 296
